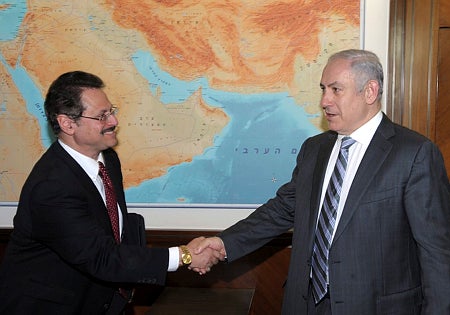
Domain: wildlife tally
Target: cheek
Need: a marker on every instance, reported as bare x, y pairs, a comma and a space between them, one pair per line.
356, 113
93, 132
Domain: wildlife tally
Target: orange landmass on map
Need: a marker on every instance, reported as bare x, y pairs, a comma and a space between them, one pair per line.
56, 37
244, 46
235, 44
182, 130
22, 152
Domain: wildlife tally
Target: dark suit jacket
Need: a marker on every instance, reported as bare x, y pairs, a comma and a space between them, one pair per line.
391, 251
62, 257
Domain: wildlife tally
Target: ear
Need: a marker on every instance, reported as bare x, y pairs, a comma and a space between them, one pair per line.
66, 124
371, 91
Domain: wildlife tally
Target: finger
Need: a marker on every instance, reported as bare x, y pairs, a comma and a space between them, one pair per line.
202, 246
218, 255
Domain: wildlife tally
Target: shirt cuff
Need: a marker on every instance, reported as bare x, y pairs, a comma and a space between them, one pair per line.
174, 259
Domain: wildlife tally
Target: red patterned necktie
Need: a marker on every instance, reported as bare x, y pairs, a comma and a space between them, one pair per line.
111, 201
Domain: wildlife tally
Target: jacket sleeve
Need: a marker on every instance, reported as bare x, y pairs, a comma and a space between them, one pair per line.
427, 202
69, 218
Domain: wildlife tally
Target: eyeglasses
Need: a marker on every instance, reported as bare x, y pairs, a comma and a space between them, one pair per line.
103, 117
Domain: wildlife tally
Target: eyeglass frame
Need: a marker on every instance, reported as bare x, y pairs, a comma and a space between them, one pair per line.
104, 117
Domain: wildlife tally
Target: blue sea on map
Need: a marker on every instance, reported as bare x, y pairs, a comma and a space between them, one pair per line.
252, 156
249, 160
11, 17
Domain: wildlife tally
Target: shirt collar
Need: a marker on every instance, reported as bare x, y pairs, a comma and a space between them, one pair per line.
89, 165
364, 134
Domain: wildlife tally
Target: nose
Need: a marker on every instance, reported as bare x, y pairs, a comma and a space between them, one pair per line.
326, 98
112, 120
324, 102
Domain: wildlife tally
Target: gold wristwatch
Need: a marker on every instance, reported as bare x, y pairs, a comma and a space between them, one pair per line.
186, 257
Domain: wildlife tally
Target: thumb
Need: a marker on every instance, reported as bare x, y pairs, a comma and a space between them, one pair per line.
202, 246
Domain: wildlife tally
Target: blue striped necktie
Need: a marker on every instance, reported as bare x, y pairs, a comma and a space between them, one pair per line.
326, 223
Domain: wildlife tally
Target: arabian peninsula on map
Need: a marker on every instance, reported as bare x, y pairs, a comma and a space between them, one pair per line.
215, 97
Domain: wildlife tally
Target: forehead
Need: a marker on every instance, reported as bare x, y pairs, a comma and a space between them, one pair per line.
337, 71
95, 99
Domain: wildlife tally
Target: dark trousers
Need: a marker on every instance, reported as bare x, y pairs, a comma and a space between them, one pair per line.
322, 308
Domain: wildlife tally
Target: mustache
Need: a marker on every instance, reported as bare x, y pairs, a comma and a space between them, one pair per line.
112, 128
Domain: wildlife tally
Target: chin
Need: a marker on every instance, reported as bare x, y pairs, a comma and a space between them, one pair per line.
334, 127
111, 144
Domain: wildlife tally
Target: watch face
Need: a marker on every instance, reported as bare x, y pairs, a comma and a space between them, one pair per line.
185, 255
187, 259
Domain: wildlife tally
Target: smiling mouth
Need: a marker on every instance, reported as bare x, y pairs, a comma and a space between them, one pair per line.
110, 129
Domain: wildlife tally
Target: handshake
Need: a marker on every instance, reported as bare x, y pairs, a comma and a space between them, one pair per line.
205, 253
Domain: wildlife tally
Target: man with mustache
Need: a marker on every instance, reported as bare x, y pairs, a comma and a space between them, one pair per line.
66, 254
369, 205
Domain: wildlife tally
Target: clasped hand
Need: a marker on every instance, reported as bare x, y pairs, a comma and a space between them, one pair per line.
205, 252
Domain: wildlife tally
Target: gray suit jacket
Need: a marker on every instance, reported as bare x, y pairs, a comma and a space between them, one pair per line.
391, 251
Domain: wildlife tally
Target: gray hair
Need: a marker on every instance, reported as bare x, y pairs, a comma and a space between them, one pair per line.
365, 65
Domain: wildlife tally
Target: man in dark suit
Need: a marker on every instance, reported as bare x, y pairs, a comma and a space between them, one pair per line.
63, 256
388, 248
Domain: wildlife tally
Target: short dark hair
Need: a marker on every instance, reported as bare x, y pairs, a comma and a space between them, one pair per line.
64, 96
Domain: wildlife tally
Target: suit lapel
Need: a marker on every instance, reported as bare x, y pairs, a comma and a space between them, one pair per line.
323, 157
77, 170
113, 169
83, 179
371, 163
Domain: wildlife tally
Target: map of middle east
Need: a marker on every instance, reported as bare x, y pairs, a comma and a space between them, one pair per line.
215, 97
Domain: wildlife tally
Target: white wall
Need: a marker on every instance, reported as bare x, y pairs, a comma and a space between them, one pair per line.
375, 38
376, 30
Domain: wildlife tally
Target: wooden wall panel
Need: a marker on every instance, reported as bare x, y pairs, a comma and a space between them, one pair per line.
412, 74
443, 101
418, 74
444, 9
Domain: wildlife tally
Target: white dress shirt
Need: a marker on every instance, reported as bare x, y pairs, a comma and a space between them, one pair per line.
363, 136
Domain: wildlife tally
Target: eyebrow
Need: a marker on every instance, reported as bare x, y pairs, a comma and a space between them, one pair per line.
102, 111
328, 85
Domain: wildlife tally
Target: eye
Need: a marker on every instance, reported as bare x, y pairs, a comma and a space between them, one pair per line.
103, 117
113, 111
336, 90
